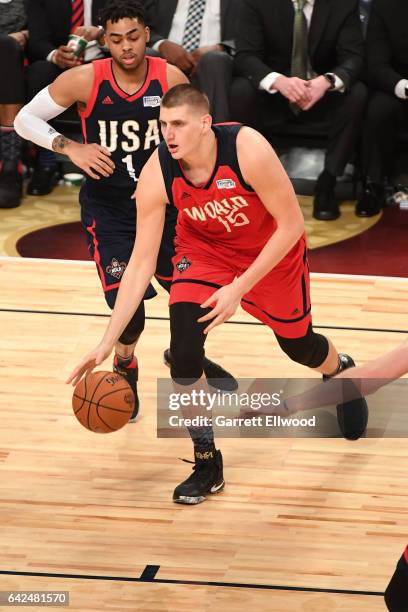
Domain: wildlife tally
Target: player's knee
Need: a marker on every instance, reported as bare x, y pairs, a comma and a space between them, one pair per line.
310, 350
187, 342
134, 328
186, 362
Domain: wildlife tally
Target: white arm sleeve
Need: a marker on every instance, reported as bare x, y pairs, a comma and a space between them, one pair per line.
31, 121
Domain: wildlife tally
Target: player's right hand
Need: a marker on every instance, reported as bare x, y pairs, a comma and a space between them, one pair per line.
88, 363
94, 159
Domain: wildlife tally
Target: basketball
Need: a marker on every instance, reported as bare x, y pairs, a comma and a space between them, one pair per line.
103, 401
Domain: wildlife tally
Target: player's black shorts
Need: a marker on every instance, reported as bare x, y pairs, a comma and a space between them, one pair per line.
111, 233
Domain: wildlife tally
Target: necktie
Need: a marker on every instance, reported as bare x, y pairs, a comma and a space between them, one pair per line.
194, 22
300, 60
77, 18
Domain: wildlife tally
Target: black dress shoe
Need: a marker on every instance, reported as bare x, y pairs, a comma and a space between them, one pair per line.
43, 180
11, 186
325, 206
371, 202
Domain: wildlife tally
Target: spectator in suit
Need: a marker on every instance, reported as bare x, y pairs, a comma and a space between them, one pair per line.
365, 9
50, 22
301, 60
198, 37
13, 39
387, 75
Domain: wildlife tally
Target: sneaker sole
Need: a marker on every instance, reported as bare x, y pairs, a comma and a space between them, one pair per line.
193, 501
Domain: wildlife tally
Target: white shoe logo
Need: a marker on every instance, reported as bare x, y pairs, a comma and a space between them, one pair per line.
216, 488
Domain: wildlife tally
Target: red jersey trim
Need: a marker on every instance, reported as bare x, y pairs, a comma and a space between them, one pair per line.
83, 123
99, 71
163, 278
159, 72
406, 554
97, 259
210, 181
151, 73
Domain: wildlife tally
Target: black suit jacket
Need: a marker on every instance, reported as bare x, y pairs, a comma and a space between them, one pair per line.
49, 23
265, 34
160, 13
387, 44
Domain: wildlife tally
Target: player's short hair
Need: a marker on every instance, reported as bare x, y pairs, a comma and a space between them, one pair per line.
186, 94
122, 9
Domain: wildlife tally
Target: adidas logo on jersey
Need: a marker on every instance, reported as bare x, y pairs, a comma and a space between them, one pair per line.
185, 195
226, 184
107, 100
152, 101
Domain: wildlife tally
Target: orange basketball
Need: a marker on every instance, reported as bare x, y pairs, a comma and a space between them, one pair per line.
103, 401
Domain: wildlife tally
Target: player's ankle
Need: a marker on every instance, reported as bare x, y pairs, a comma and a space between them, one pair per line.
204, 453
125, 362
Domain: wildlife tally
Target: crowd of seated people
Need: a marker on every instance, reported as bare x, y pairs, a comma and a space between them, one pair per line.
343, 62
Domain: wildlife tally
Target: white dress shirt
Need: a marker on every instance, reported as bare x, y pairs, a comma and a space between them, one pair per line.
210, 29
268, 81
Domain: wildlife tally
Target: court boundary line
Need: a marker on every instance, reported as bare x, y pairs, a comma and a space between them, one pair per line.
161, 318
149, 576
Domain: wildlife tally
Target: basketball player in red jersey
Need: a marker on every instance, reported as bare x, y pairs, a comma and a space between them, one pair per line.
118, 100
240, 240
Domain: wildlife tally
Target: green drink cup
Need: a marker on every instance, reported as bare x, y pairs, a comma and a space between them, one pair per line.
77, 43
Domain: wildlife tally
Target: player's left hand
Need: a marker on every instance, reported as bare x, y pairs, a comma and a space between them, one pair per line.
317, 88
226, 302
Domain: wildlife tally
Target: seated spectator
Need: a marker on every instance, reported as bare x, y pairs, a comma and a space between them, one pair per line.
13, 39
365, 9
198, 37
300, 60
50, 22
387, 75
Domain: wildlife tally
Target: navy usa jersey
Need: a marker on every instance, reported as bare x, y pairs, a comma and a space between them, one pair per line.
127, 125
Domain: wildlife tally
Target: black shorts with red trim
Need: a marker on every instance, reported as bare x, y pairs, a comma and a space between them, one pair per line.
111, 232
281, 299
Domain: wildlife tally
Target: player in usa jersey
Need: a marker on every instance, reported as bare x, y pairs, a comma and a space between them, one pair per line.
118, 100
240, 240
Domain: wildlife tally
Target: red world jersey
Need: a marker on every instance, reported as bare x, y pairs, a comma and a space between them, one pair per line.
223, 217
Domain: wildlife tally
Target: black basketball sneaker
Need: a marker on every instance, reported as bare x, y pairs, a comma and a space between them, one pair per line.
130, 373
207, 478
216, 376
352, 416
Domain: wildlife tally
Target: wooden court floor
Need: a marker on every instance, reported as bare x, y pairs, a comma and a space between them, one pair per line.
314, 525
